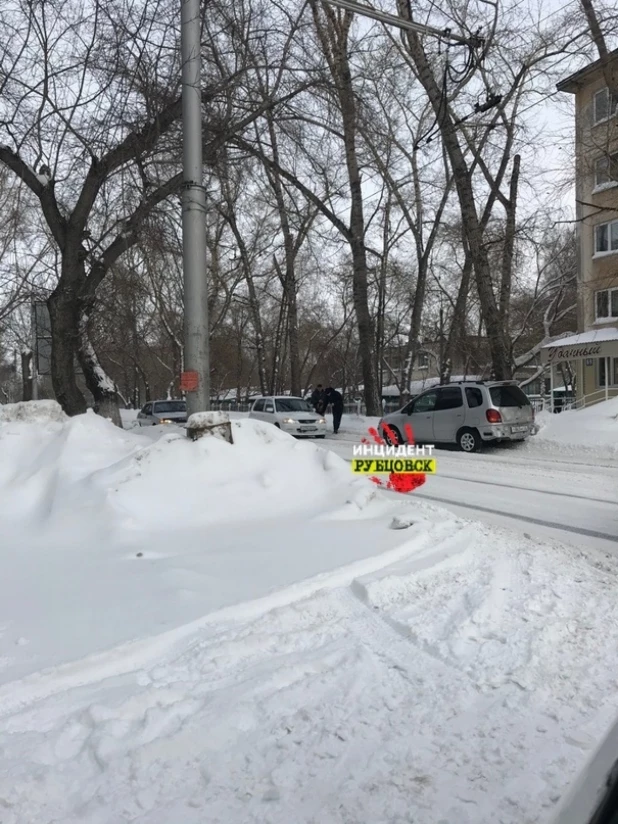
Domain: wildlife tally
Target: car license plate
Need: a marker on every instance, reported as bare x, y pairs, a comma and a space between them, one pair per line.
519, 429
308, 429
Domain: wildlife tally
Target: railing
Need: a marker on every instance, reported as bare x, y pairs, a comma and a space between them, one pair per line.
591, 398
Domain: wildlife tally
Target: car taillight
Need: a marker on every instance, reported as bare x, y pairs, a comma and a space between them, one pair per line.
493, 416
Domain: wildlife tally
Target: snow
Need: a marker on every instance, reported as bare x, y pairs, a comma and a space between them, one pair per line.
196, 631
128, 418
32, 412
591, 428
206, 419
594, 336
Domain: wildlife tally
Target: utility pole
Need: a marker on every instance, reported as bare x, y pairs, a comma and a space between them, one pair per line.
195, 379
35, 350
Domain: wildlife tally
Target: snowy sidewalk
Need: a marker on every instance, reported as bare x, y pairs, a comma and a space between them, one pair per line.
466, 682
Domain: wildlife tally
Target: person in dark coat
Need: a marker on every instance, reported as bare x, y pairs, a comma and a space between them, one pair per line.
335, 399
318, 399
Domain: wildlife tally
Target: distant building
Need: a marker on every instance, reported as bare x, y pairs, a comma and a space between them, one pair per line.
594, 350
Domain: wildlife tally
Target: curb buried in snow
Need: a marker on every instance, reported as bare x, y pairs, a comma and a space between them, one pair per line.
428, 544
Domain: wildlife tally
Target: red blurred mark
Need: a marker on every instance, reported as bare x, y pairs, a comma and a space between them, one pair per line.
397, 482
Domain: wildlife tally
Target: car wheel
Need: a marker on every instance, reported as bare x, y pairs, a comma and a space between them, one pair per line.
469, 440
396, 433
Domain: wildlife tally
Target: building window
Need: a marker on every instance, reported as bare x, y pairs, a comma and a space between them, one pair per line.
422, 360
606, 238
613, 372
606, 170
603, 109
606, 304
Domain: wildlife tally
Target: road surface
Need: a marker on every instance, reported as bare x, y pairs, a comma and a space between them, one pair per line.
571, 498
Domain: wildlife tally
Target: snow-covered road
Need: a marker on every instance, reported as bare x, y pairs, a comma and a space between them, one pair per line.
539, 492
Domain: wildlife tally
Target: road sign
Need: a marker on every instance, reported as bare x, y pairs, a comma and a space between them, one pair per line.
189, 381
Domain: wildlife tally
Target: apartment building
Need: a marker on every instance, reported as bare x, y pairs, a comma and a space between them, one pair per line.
594, 350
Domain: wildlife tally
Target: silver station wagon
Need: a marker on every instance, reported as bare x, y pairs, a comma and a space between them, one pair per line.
467, 413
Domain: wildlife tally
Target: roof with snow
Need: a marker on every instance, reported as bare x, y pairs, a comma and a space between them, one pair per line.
595, 336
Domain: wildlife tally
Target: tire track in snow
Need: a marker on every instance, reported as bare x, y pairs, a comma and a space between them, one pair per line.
516, 516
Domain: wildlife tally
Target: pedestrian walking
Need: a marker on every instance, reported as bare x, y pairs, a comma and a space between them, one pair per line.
335, 399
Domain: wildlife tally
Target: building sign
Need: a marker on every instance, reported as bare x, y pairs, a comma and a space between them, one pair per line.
579, 351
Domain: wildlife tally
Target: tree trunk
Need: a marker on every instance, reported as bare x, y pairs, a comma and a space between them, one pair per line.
498, 340
508, 250
334, 39
293, 340
27, 374
64, 313
99, 384
457, 333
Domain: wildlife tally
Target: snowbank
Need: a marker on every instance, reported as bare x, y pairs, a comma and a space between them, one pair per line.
128, 418
594, 428
32, 412
127, 481
165, 529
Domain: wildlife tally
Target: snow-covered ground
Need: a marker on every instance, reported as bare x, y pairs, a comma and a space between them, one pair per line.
593, 429
198, 632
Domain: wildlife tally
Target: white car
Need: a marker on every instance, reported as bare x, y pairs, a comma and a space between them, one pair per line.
292, 415
161, 412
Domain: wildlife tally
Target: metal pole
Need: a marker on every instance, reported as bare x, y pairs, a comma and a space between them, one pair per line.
33, 362
196, 375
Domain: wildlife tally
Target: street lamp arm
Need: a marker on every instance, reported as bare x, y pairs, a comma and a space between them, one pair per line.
408, 25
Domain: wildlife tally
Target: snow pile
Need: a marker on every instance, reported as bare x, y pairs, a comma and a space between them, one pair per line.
128, 418
205, 419
593, 428
32, 412
465, 680
61, 472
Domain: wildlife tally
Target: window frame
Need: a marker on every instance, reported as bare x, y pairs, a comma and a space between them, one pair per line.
473, 389
597, 120
609, 251
602, 371
612, 164
610, 316
442, 392
420, 397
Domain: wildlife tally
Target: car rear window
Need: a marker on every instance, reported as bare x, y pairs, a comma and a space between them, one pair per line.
508, 396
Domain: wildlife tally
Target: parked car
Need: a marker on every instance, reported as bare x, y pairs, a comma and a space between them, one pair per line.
467, 413
293, 415
163, 412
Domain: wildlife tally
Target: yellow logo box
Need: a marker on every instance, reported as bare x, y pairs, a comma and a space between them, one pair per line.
402, 466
